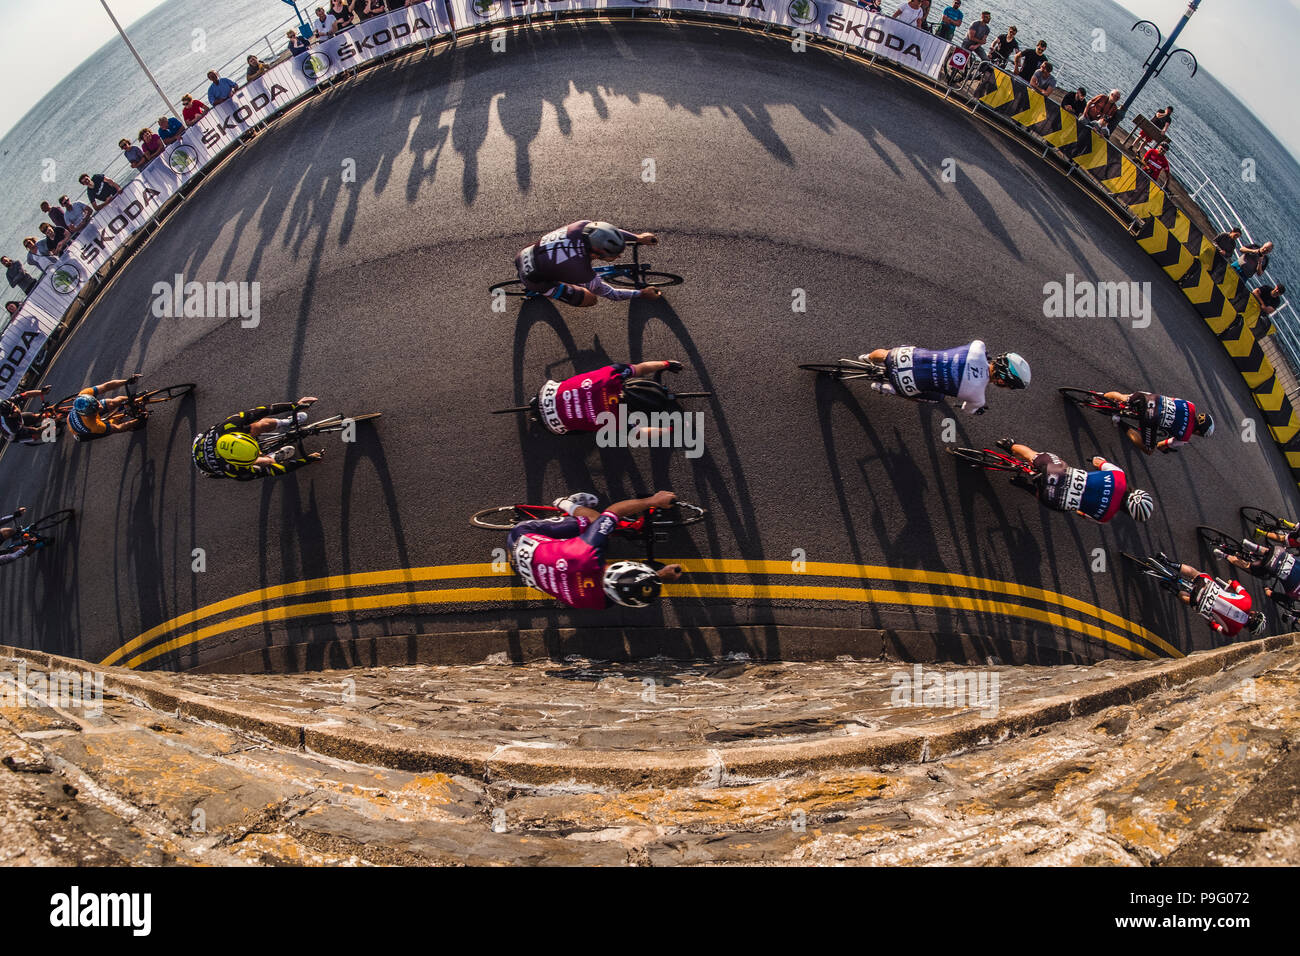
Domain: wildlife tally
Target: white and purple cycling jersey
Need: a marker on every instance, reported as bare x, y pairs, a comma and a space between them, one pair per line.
926, 375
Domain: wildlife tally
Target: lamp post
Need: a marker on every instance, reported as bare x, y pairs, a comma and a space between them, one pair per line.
1160, 55
171, 110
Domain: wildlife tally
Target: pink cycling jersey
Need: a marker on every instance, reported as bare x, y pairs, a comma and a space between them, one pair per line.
576, 404
571, 570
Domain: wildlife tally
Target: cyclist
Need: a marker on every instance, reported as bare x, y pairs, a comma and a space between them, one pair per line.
18, 425
231, 450
1164, 423
1094, 494
963, 372
89, 417
7, 531
576, 404
1273, 562
565, 557
1225, 605
559, 264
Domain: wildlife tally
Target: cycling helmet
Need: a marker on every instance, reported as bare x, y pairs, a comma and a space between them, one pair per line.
1257, 623
631, 583
604, 238
1140, 504
1204, 425
239, 448
86, 405
1013, 369
647, 395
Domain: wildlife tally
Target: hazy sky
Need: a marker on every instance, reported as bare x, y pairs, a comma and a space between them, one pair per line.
1250, 53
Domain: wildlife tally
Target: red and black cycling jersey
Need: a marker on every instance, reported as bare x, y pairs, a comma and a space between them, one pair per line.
1224, 605
1094, 494
213, 465
1162, 417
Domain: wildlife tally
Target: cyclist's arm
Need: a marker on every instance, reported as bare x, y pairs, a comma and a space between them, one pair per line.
604, 289
243, 420
632, 507
9, 556
272, 470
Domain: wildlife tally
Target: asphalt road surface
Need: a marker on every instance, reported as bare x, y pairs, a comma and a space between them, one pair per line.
772, 172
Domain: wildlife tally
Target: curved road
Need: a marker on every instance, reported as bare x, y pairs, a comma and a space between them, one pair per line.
773, 171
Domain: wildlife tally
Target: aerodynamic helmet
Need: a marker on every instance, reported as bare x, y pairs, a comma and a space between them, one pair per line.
1140, 504
631, 583
1012, 368
86, 405
604, 238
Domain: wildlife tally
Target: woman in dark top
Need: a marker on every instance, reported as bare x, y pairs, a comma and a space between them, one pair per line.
343, 15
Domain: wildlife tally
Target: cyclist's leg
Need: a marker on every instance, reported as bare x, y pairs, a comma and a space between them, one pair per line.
561, 526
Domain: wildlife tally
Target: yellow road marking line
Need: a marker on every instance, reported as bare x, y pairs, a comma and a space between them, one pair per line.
706, 565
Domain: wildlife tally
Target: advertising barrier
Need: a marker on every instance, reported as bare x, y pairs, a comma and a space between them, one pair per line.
113, 226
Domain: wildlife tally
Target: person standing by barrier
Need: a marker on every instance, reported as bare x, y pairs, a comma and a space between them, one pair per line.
911, 13
1101, 111
1027, 62
1043, 81
1156, 164
221, 89
1253, 260
977, 34
18, 277
1075, 102
951, 20
1268, 299
1004, 47
191, 109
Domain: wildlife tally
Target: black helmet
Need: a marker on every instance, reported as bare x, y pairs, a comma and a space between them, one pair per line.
647, 395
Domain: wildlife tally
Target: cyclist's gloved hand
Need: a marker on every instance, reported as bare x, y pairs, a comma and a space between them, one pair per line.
316, 455
981, 410
285, 454
674, 366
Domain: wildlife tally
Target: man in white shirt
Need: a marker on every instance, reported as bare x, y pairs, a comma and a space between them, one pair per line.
911, 13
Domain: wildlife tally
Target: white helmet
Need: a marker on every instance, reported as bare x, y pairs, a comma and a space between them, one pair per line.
604, 238
631, 583
1140, 504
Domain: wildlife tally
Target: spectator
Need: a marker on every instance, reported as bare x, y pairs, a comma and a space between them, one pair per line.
323, 25
56, 238
134, 155
1160, 121
871, 6
170, 129
1226, 243
222, 88
1043, 81
100, 190
911, 13
38, 252
1268, 299
1253, 260
952, 17
1156, 164
297, 45
1004, 47
13, 307
192, 109
978, 33
19, 278
344, 18
150, 143
1101, 110
55, 214
255, 69
1027, 62
1075, 102
372, 8
75, 215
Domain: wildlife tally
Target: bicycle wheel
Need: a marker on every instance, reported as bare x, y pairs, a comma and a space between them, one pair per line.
1086, 398
52, 520
654, 280
510, 287
1151, 568
987, 458
681, 513
1263, 520
165, 394
848, 369
1214, 538
505, 518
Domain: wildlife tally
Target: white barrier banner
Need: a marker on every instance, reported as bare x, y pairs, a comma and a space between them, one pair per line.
870, 32
21, 341
374, 38
250, 105
109, 228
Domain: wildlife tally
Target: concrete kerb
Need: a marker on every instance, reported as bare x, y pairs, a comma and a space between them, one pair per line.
601, 769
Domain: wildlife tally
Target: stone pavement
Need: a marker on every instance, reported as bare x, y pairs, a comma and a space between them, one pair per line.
659, 763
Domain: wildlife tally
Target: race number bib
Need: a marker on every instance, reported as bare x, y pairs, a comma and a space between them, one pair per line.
1078, 483
905, 371
525, 547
